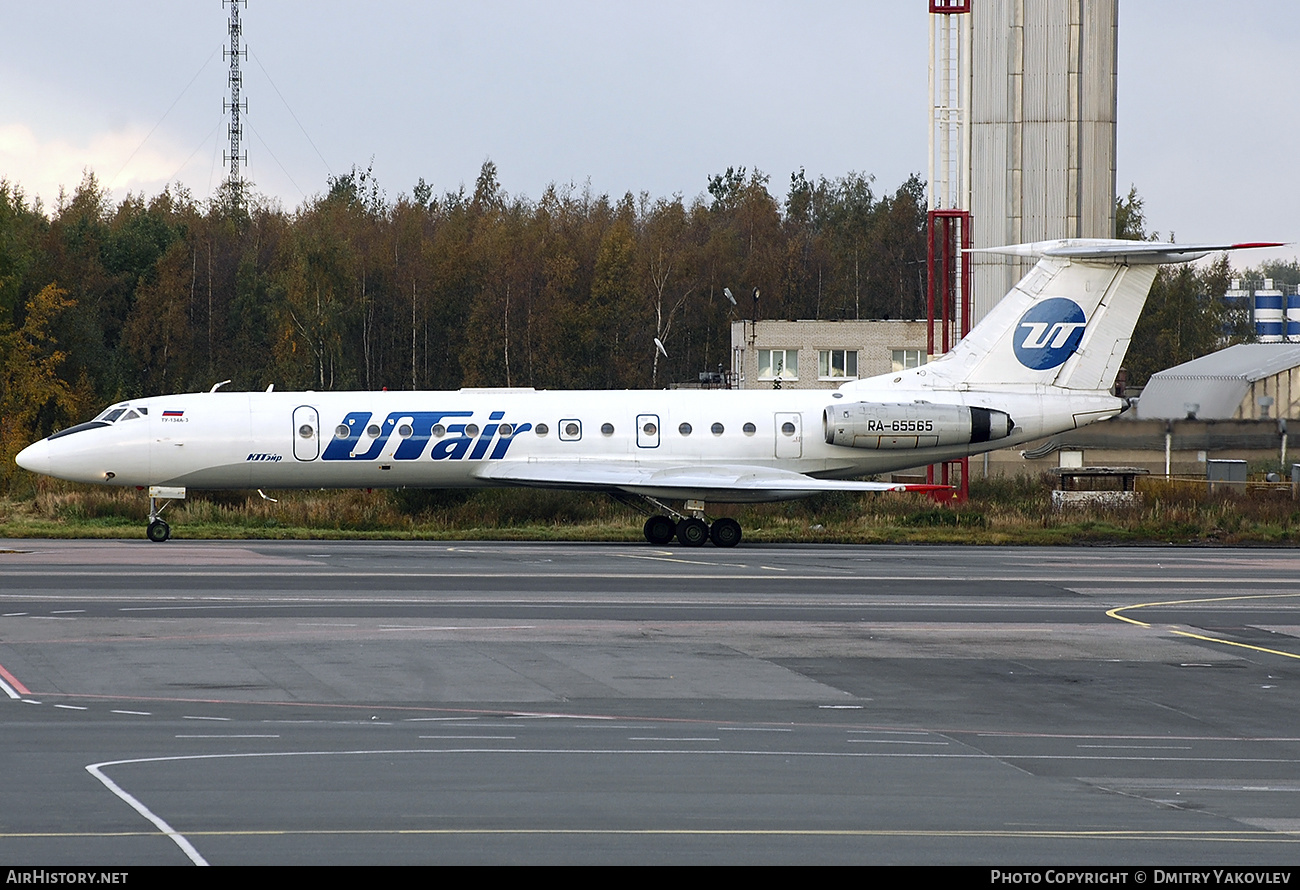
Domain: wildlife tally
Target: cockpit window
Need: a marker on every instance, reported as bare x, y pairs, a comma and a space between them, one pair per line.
130, 415
113, 415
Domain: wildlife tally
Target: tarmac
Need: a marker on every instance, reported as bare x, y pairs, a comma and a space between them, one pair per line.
389, 703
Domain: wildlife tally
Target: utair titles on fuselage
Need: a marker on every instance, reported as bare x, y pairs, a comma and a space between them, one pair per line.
1041, 362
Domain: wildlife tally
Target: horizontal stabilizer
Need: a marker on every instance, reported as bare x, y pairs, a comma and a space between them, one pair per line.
1119, 252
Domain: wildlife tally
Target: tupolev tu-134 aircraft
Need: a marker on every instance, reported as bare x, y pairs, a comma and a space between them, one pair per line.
1041, 362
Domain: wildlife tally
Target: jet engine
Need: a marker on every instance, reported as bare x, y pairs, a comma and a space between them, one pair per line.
912, 425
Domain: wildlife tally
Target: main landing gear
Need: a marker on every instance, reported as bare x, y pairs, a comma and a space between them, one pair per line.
691, 531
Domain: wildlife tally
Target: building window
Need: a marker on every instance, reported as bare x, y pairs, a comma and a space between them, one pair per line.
783, 363
835, 364
908, 358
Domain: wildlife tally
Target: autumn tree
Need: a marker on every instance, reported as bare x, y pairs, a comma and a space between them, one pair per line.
35, 396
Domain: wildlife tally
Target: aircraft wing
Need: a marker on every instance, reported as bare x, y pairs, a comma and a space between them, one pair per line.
726, 483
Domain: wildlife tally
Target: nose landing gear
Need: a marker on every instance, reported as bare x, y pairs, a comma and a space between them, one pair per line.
159, 497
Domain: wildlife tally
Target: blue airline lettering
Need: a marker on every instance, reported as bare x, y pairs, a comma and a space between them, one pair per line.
412, 447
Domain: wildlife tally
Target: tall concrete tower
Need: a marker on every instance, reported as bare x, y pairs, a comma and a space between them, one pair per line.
1022, 139
1042, 129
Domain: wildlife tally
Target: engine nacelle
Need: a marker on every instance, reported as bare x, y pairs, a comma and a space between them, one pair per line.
916, 425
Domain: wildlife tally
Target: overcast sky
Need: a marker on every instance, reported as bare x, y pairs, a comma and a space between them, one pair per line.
632, 97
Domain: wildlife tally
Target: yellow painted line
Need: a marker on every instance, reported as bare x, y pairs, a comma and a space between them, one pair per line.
1115, 613
1183, 633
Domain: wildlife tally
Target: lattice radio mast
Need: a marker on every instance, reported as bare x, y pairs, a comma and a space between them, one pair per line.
235, 104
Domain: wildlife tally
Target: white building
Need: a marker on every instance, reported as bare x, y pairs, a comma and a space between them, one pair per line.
822, 354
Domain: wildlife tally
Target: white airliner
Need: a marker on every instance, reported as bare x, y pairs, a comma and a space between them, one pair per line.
1041, 362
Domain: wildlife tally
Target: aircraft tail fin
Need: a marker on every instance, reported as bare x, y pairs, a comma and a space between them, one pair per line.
1069, 321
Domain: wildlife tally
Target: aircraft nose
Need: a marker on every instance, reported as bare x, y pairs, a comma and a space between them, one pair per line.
35, 457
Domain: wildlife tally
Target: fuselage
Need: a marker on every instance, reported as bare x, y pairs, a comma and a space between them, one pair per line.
234, 440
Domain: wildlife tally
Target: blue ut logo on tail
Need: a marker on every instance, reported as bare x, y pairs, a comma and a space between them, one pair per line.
1048, 333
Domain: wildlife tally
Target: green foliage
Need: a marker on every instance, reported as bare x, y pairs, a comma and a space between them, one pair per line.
1285, 273
1183, 319
1001, 511
1184, 316
1130, 222
35, 396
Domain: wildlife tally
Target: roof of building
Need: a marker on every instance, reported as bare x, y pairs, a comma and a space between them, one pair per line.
1217, 382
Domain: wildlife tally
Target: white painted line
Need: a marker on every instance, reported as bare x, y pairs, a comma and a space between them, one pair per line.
133, 713
187, 717
227, 736
543, 715
95, 769
1140, 747
452, 627
435, 719
72, 707
13, 614
891, 731
840, 707
508, 738
31, 701
893, 742
646, 738
749, 729
9, 690
67, 611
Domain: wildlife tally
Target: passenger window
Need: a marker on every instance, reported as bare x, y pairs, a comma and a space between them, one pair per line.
541, 429
505, 430
717, 429
684, 429
750, 429
607, 429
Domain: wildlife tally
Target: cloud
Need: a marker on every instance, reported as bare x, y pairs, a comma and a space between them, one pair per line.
122, 160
